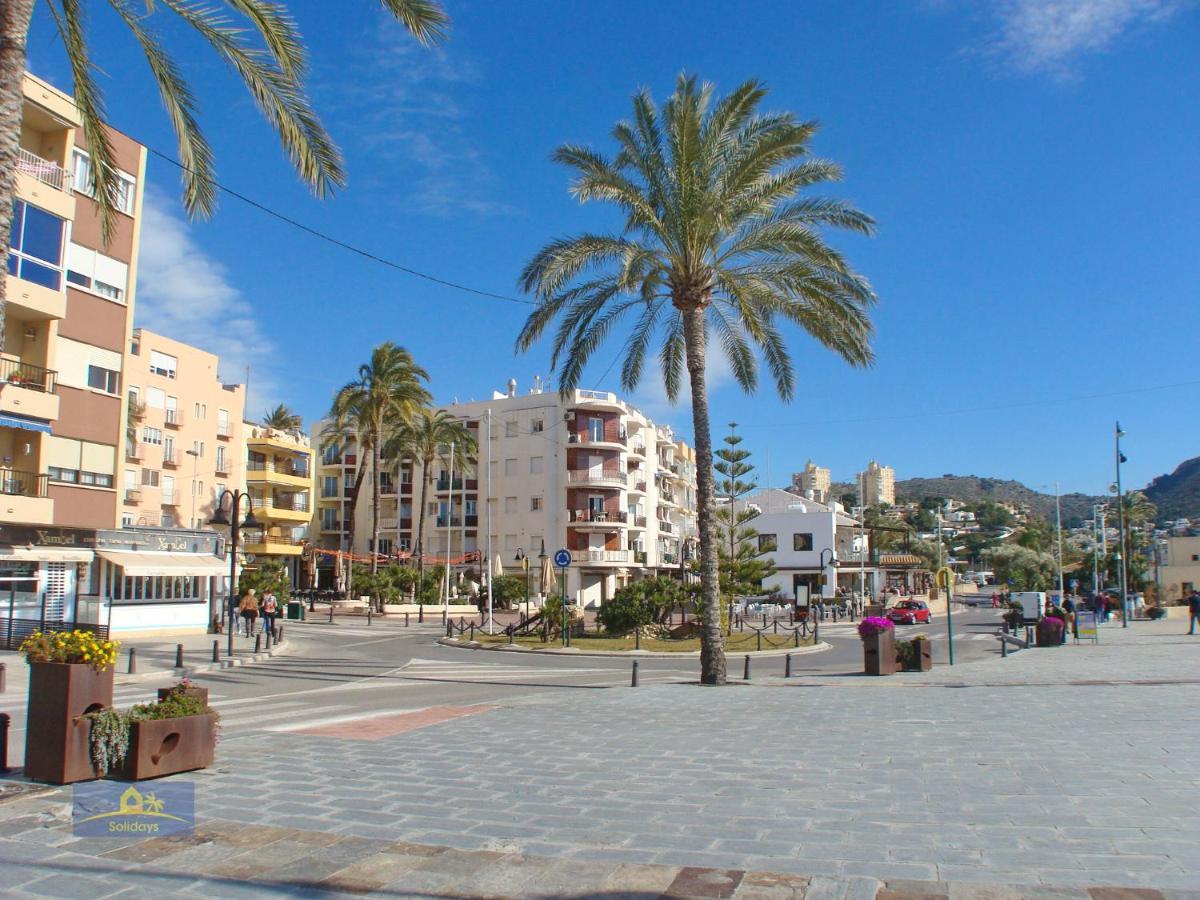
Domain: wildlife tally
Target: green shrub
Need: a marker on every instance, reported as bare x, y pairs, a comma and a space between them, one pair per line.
507, 590
642, 602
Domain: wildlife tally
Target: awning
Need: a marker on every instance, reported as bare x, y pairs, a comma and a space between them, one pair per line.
27, 424
139, 564
46, 554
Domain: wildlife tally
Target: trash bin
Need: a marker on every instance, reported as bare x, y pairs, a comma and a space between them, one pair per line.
295, 610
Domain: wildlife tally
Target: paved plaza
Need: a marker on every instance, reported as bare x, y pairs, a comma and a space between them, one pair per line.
1038, 775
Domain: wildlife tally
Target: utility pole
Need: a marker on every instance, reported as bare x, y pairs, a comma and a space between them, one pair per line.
1120, 458
449, 534
489, 518
1062, 590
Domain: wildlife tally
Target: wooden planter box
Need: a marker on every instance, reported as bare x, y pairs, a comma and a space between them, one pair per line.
193, 691
165, 746
924, 656
57, 748
1048, 636
879, 653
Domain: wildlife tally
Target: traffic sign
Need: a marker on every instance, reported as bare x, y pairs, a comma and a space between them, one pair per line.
562, 558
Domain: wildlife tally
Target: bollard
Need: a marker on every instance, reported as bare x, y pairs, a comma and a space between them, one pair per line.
637, 639
764, 620
1003, 647
5, 720
3, 671
406, 620
278, 629
511, 629
449, 629
132, 670
312, 601
635, 674
257, 643
796, 634
179, 656
421, 614
216, 651
775, 626
758, 635
746, 673
330, 610
270, 635
816, 631
472, 631
787, 666
368, 612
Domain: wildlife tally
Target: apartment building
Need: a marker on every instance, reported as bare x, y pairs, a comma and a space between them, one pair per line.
813, 483
878, 485
183, 446
587, 472
279, 476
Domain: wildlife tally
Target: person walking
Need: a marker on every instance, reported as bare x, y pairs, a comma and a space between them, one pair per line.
270, 609
235, 620
249, 610
1193, 611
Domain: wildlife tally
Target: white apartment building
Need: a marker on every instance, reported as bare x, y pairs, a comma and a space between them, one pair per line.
588, 473
813, 483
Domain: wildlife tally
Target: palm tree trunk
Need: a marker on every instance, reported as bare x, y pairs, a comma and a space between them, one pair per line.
358, 480
712, 642
419, 512
375, 508
15, 16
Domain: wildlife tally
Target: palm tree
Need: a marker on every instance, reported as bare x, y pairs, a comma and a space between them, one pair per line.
258, 39
432, 436
387, 393
715, 241
283, 419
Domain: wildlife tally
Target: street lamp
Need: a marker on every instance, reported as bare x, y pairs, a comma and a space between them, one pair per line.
235, 525
821, 563
195, 455
524, 561
1120, 458
542, 557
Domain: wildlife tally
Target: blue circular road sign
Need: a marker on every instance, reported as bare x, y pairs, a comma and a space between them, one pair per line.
562, 558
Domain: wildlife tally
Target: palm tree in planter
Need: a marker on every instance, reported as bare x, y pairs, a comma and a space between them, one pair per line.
717, 241
386, 395
433, 436
281, 418
258, 39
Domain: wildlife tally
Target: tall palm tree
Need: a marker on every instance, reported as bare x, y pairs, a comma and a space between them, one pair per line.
716, 241
432, 436
281, 418
387, 393
258, 39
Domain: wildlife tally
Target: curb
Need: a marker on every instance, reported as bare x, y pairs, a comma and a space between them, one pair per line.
626, 654
202, 668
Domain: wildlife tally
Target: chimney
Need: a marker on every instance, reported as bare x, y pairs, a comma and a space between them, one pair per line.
512, 387
537, 384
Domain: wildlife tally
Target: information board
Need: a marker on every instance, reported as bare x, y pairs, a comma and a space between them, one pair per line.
1085, 626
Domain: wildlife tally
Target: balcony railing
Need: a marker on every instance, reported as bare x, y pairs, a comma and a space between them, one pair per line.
585, 437
224, 432
639, 522
639, 557
326, 492
443, 484
386, 487
222, 466
283, 468
27, 375
43, 170
298, 504
665, 527
599, 516
669, 559
133, 495
271, 539
135, 451
612, 477
455, 521
609, 556
15, 483
387, 524
171, 459
174, 418
170, 498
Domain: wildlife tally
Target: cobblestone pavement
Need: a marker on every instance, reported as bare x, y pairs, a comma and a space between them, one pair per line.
1041, 775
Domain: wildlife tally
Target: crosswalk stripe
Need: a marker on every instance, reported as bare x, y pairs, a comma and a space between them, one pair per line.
254, 717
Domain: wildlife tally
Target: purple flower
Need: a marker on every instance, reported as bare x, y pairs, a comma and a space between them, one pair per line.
873, 625
1054, 622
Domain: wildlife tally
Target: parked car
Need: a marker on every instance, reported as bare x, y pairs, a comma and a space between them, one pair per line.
909, 612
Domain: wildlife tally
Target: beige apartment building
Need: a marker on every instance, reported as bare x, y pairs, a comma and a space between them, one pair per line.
279, 478
184, 443
878, 484
813, 483
588, 473
1181, 574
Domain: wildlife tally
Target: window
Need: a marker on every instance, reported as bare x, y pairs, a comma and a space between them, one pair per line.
69, 476
766, 543
126, 187
152, 435
150, 477
510, 505
221, 458
595, 429
802, 541
104, 379
537, 426
329, 486
535, 504
126, 520
510, 467
156, 398
131, 482
404, 544
510, 542
36, 249
536, 465
93, 271
198, 447
431, 508
163, 364
168, 487
510, 428
110, 291
96, 479
167, 520
471, 507
201, 411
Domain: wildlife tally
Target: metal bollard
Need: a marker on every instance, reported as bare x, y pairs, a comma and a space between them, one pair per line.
1003, 647
746, 673
216, 651
764, 620
278, 635
421, 614
796, 634
406, 620
472, 631
816, 631
5, 719
3, 672
132, 670
257, 643
368, 612
758, 636
179, 656
330, 610
634, 683
270, 636
637, 639
511, 630
787, 666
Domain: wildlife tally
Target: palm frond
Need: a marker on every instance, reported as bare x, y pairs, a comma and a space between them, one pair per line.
278, 31
425, 19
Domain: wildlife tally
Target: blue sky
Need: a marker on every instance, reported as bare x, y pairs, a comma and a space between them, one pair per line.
1031, 165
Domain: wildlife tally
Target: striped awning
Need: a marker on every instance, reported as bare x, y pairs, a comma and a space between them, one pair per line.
900, 560
142, 564
27, 424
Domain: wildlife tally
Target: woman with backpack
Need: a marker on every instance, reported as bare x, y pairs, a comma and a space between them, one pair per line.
270, 609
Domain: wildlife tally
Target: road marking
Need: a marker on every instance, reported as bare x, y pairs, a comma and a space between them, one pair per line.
252, 717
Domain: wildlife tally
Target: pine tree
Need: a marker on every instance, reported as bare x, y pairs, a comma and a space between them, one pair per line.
742, 564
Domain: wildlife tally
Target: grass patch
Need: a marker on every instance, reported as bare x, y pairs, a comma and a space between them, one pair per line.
740, 642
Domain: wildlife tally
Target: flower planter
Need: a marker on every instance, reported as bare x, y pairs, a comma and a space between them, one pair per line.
922, 659
189, 691
879, 653
1049, 635
165, 746
56, 738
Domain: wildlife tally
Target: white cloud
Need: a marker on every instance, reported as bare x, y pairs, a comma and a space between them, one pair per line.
396, 101
651, 395
1049, 36
188, 296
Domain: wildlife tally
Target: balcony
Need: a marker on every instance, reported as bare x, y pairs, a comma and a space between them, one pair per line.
28, 390
668, 559
639, 522
24, 497
135, 452
283, 509
274, 545
665, 527
173, 418
133, 495
44, 183
587, 439
35, 301
639, 557
615, 478
455, 522
387, 524
170, 498
222, 466
604, 400
171, 460
387, 488
224, 432
637, 482
289, 473
592, 557
469, 484
583, 518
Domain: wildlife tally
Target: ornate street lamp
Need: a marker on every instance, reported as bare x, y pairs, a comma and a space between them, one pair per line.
524, 561
235, 524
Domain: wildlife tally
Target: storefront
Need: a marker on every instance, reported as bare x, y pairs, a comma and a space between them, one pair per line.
126, 580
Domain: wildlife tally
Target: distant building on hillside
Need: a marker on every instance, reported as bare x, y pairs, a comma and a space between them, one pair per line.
813, 483
878, 485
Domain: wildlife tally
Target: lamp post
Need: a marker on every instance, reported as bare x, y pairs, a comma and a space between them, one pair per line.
821, 563
524, 561
1124, 553
235, 524
195, 455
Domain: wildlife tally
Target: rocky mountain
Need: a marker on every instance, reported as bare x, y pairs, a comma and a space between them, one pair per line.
1177, 495
972, 489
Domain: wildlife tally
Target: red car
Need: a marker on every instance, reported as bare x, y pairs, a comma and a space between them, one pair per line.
909, 612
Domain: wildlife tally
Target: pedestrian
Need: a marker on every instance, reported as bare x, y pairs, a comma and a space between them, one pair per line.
1102, 607
235, 615
270, 608
249, 610
1193, 611
995, 600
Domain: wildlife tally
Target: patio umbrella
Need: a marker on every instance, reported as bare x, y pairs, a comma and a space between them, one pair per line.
549, 579
497, 567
